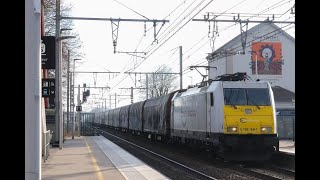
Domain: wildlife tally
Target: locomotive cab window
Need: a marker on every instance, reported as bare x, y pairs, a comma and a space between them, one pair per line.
235, 96
258, 97
246, 96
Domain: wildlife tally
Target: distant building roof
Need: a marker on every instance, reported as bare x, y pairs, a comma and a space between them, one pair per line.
282, 95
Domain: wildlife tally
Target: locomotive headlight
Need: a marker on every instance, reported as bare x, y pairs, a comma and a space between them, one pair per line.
266, 129
231, 129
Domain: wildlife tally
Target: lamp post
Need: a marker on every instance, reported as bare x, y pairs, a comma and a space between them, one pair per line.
73, 115
58, 89
68, 92
68, 84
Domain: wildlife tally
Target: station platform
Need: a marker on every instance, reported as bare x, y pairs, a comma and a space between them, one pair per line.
94, 158
287, 147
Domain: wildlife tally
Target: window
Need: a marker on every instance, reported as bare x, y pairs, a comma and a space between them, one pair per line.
235, 96
258, 96
247, 96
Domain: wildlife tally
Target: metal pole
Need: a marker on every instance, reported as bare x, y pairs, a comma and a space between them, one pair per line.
105, 104
153, 88
78, 112
116, 19
73, 113
256, 67
131, 95
60, 99
68, 87
293, 129
115, 100
32, 92
226, 62
180, 48
110, 101
57, 74
146, 86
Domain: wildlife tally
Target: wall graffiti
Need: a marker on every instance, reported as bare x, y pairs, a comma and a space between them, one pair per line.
268, 56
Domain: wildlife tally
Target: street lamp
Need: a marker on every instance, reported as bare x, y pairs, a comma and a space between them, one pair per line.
58, 89
73, 114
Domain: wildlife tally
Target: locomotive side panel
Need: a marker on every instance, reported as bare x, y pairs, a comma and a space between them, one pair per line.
190, 116
216, 109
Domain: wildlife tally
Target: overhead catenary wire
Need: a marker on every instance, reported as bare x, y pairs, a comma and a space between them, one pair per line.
153, 46
171, 24
174, 33
160, 39
123, 69
131, 9
257, 14
206, 35
151, 28
139, 63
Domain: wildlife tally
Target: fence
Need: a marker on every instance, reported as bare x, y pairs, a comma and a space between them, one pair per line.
286, 124
46, 138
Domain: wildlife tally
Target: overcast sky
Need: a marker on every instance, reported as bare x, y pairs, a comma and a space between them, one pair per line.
193, 37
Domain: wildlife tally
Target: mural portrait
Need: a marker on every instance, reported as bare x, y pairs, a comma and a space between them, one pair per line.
268, 56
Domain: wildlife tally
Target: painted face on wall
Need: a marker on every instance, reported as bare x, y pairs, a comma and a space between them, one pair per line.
268, 58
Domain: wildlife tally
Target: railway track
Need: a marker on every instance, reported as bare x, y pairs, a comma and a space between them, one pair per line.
194, 170
197, 173
262, 173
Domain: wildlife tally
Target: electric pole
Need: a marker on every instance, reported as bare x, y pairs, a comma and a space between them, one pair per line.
180, 49
57, 74
68, 84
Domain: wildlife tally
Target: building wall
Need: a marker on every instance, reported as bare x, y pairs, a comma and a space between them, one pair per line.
280, 71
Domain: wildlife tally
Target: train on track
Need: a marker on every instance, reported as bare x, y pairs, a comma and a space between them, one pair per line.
232, 116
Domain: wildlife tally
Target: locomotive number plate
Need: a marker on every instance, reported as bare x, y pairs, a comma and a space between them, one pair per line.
248, 129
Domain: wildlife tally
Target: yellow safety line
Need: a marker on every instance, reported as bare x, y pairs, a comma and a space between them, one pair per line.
96, 167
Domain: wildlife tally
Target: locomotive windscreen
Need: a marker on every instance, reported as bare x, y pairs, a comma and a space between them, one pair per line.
246, 96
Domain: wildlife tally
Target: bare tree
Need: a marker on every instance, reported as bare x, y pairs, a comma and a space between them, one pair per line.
160, 83
73, 45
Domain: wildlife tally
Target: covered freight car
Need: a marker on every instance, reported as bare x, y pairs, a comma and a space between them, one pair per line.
124, 115
135, 117
115, 118
156, 116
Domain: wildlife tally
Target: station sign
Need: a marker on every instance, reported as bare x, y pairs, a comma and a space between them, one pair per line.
48, 87
48, 52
